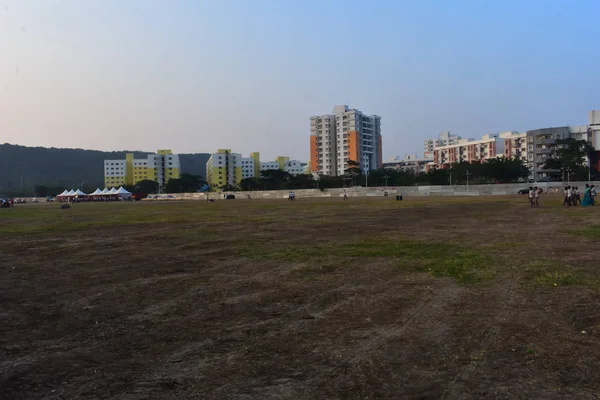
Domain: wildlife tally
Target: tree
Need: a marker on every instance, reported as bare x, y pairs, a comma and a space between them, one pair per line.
248, 184
569, 156
185, 183
146, 186
504, 169
352, 171
276, 179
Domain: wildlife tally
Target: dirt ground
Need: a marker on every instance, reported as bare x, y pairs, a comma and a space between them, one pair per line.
455, 298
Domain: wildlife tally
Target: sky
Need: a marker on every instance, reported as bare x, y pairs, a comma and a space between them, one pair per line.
196, 76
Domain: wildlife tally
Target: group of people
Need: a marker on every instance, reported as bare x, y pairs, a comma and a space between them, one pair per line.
573, 196
534, 196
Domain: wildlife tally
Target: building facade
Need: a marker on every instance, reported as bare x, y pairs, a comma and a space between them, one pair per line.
444, 139
469, 150
409, 163
515, 145
540, 145
159, 167
343, 136
225, 169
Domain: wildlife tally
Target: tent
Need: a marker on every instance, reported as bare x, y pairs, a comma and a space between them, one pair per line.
65, 193
124, 193
80, 193
112, 191
71, 193
96, 192
105, 191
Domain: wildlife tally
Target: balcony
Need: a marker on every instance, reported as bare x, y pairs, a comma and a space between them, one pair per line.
545, 141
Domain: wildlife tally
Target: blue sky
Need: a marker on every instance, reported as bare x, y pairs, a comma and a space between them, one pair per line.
195, 76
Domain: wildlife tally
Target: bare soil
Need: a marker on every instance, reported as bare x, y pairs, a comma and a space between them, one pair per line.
315, 299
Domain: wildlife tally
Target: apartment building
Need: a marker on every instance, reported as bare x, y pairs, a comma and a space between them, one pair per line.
469, 150
293, 167
225, 169
409, 162
540, 145
159, 167
444, 139
346, 134
515, 145
594, 137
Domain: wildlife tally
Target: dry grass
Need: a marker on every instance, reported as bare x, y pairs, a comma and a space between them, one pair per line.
369, 298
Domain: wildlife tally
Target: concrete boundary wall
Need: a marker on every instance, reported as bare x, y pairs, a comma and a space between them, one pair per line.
408, 191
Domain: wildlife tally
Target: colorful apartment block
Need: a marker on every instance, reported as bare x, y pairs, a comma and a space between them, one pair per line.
343, 136
159, 167
225, 168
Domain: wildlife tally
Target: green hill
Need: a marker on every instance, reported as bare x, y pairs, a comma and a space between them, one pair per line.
22, 168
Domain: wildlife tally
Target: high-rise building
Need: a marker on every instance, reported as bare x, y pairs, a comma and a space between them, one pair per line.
345, 135
159, 167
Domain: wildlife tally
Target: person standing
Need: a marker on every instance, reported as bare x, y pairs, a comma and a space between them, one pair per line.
593, 194
587, 197
566, 201
577, 195
536, 195
531, 194
345, 195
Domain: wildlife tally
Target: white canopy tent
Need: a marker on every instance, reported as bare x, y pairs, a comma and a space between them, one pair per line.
96, 192
71, 193
105, 191
65, 193
112, 191
80, 193
124, 193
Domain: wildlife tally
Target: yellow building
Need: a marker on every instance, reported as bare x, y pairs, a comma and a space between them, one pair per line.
225, 169
159, 167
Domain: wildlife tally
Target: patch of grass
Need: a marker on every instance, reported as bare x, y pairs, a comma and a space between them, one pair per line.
541, 273
592, 232
436, 259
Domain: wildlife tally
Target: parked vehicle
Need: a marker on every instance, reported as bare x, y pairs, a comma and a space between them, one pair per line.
139, 196
526, 191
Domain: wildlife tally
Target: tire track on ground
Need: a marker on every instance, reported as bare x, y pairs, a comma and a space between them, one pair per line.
457, 385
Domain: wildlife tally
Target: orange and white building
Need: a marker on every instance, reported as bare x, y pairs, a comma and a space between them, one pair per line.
345, 135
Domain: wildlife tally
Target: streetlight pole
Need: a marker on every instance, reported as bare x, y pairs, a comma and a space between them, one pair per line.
81, 185
468, 174
386, 178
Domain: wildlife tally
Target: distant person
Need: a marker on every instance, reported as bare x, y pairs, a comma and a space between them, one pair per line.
577, 195
587, 196
568, 194
593, 194
345, 195
536, 195
531, 194
12, 201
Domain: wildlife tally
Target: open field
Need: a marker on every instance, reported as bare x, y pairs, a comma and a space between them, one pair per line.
315, 299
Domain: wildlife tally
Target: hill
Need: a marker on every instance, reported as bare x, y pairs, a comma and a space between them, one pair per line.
21, 167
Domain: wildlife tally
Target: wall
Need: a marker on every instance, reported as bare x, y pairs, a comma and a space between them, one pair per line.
409, 191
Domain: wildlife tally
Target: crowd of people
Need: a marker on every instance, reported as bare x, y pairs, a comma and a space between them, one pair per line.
573, 196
